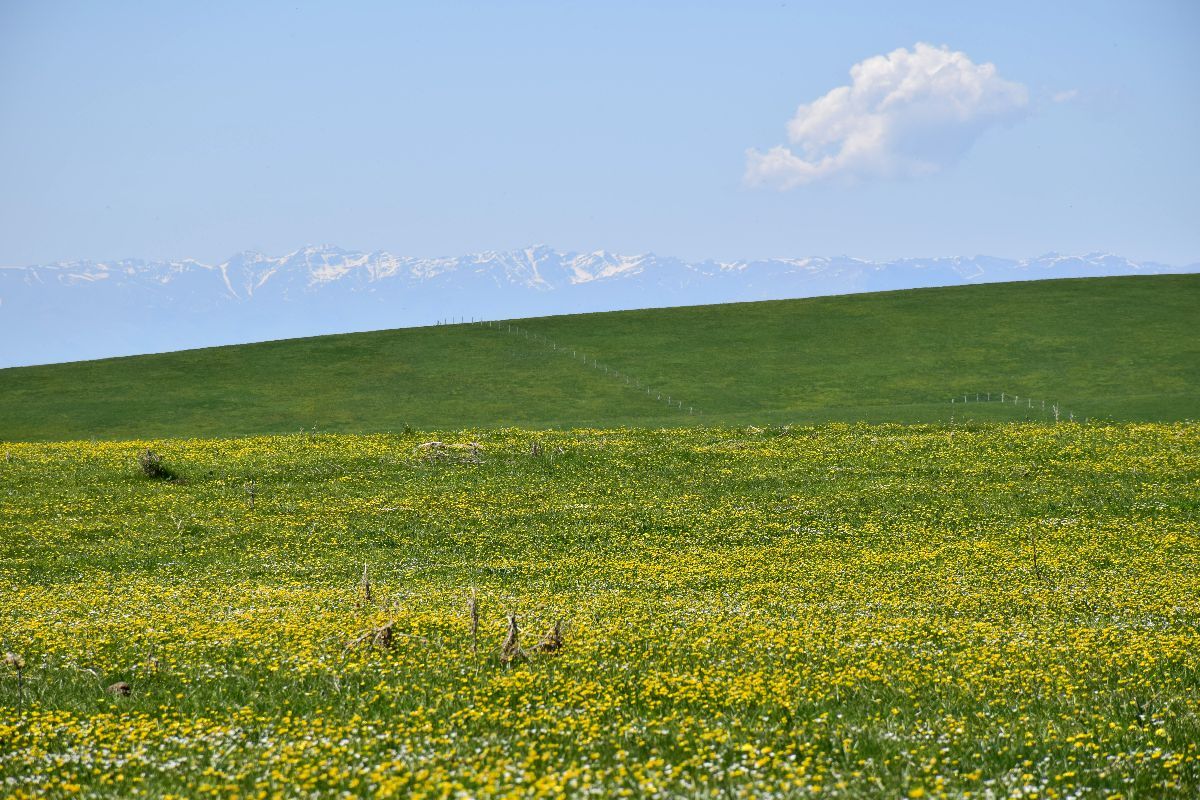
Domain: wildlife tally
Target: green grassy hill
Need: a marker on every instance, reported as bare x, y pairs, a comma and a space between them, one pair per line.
1114, 348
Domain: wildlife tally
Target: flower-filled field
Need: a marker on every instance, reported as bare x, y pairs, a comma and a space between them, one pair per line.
844, 611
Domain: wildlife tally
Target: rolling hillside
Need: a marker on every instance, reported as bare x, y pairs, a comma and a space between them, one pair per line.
1110, 348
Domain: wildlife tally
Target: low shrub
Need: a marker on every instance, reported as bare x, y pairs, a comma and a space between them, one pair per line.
154, 467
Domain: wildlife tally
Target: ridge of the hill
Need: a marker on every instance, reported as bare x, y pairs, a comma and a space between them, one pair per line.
1105, 348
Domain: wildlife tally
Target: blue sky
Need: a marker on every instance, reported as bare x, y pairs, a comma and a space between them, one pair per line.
173, 130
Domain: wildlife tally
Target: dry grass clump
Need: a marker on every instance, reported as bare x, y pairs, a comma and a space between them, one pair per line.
552, 641
510, 648
385, 636
382, 637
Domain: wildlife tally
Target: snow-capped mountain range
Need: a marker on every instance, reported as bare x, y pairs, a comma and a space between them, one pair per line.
89, 309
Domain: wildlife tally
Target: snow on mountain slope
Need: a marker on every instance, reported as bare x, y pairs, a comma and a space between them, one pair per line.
88, 309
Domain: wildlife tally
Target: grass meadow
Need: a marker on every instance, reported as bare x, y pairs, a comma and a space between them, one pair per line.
944, 610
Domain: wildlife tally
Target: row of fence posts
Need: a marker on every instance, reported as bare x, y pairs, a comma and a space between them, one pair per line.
1015, 399
508, 327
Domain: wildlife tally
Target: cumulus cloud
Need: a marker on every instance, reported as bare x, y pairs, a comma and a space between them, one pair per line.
906, 113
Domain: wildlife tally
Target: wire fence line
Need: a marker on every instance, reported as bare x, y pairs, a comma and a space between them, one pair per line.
1017, 401
657, 395
1008, 399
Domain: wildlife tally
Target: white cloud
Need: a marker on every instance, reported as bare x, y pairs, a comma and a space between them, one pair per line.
906, 113
1065, 96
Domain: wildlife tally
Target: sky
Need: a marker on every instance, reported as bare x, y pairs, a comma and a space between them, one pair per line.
698, 130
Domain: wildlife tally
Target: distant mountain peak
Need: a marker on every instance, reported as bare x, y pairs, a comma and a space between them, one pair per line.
132, 305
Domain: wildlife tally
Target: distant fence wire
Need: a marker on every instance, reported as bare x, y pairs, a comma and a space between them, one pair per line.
657, 395
1017, 401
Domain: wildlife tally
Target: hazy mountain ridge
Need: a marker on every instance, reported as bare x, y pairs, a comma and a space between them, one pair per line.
133, 305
